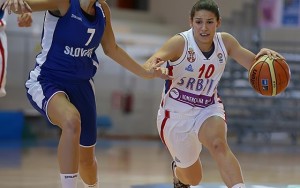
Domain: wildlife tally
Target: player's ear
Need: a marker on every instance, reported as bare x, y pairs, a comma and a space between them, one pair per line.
191, 22
219, 22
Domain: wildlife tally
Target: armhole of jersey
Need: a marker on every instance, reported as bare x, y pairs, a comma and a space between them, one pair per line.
183, 55
51, 14
222, 45
99, 5
103, 14
74, 7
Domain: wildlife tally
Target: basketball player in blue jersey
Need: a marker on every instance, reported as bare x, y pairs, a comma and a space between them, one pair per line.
24, 20
191, 113
61, 85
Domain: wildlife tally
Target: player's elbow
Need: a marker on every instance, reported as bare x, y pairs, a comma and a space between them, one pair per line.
110, 50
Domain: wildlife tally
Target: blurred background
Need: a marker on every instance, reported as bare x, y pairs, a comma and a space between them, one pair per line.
127, 105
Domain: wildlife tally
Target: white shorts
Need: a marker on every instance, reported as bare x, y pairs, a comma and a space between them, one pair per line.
180, 133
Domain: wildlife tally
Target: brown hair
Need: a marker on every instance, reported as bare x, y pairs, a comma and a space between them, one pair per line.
209, 5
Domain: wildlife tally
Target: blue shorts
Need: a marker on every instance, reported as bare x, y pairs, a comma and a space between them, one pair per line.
80, 93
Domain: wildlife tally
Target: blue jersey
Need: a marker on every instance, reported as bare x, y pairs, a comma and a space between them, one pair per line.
69, 43
67, 64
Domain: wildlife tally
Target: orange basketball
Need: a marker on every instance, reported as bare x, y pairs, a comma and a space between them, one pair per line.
269, 76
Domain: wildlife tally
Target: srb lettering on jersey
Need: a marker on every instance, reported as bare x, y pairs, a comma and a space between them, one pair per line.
205, 85
78, 52
201, 101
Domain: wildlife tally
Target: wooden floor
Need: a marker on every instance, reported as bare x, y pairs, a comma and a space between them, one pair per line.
146, 164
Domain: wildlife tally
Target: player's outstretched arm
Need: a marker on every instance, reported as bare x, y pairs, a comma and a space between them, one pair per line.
25, 6
112, 50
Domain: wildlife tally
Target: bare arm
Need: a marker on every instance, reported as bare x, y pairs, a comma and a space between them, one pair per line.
24, 6
171, 50
243, 56
112, 50
240, 54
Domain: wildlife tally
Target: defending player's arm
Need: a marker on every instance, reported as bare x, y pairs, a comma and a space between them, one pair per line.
24, 6
112, 50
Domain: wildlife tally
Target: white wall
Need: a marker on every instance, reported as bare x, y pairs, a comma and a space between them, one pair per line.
177, 11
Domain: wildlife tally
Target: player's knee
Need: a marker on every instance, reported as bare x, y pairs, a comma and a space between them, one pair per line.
218, 145
72, 124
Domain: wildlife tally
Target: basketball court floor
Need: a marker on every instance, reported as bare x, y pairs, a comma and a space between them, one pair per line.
146, 164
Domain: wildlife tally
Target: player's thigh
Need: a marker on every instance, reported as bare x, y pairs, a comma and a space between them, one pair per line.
60, 108
182, 141
213, 128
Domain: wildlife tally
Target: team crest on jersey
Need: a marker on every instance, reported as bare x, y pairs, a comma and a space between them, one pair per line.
191, 55
220, 56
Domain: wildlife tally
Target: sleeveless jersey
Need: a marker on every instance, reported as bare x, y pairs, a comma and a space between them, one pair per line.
196, 78
69, 43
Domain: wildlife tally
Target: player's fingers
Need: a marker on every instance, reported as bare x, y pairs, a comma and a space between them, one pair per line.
4, 5
166, 77
28, 7
277, 55
165, 74
257, 56
7, 5
159, 63
24, 6
16, 5
270, 55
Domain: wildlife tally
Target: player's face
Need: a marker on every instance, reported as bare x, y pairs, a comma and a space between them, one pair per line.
205, 25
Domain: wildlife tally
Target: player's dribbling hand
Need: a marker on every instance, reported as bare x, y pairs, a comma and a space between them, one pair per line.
14, 5
271, 53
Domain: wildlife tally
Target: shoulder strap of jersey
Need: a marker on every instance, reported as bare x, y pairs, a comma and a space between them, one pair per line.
75, 4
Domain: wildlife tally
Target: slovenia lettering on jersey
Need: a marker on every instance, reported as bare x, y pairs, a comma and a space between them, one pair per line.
78, 52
